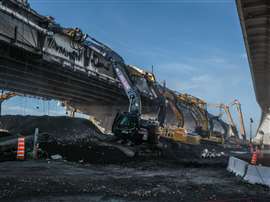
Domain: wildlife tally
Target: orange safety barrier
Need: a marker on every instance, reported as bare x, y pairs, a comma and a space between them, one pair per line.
21, 148
254, 158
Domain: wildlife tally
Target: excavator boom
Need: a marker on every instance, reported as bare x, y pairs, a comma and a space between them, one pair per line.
118, 65
131, 92
241, 119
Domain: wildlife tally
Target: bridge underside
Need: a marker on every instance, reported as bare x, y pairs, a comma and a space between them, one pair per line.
255, 22
28, 74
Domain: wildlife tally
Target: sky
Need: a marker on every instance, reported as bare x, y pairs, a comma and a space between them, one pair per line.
195, 46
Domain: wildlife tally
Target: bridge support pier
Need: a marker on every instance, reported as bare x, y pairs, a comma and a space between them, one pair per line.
263, 133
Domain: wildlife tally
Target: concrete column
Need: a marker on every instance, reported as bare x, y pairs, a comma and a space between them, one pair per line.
263, 132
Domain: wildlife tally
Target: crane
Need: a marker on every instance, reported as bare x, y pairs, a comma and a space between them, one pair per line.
241, 119
4, 97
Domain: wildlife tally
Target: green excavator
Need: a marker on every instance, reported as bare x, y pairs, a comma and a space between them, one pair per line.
128, 126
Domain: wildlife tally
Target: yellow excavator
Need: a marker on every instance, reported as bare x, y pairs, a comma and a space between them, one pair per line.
4, 97
197, 107
173, 131
204, 129
199, 113
204, 124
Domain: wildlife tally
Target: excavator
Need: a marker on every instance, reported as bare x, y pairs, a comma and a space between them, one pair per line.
4, 97
197, 108
173, 131
170, 129
128, 126
204, 123
241, 120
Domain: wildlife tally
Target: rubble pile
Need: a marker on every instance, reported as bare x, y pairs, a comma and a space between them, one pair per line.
63, 129
76, 139
79, 140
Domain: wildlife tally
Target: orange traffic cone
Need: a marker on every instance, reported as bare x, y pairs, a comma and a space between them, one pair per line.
21, 148
254, 158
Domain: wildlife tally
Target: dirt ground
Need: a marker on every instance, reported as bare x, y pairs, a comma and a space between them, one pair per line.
144, 178
144, 181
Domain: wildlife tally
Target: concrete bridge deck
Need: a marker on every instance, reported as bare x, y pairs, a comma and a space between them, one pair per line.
255, 23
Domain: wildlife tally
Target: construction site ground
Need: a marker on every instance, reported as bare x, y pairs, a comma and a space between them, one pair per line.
145, 181
94, 170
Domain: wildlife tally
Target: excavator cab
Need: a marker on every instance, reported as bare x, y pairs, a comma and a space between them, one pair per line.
126, 126
129, 126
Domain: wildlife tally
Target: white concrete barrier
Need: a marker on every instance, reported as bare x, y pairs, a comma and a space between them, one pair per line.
258, 174
237, 166
250, 173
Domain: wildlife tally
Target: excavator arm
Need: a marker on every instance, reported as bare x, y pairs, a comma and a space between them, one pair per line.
197, 108
118, 66
241, 119
172, 101
232, 124
130, 90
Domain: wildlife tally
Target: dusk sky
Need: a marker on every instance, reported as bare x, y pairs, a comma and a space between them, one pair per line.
196, 46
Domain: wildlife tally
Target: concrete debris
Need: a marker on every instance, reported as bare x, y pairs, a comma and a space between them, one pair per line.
56, 157
74, 139
211, 154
